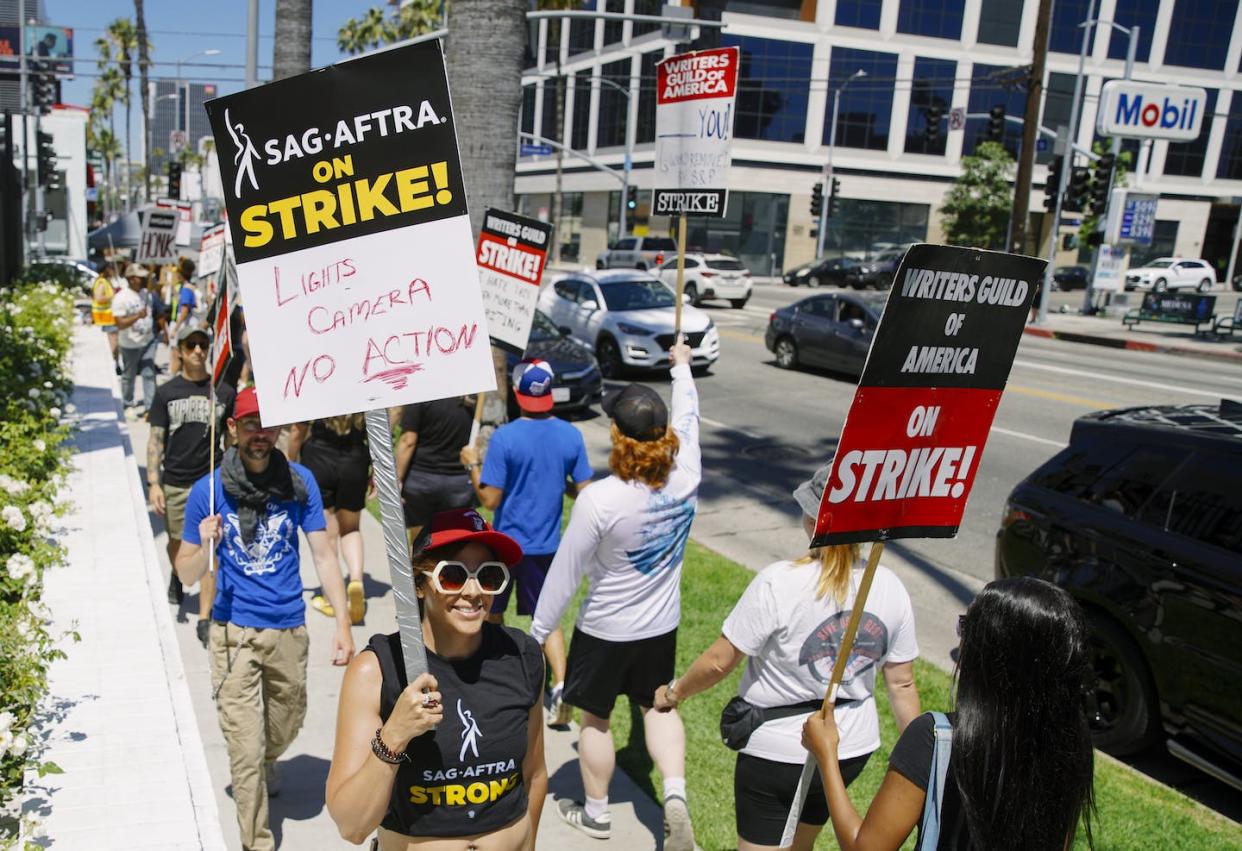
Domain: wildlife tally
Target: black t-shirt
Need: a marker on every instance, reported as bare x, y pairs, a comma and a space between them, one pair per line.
352, 442
912, 759
465, 777
443, 428
183, 409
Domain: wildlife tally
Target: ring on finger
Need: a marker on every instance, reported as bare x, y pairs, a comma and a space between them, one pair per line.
429, 701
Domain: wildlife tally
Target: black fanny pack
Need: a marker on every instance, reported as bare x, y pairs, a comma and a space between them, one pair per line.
739, 719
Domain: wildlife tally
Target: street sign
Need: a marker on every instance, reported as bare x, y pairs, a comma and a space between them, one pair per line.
694, 132
1134, 110
528, 150
1110, 269
957, 118
178, 140
511, 254
1131, 218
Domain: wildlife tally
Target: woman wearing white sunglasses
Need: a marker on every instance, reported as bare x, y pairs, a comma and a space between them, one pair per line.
457, 755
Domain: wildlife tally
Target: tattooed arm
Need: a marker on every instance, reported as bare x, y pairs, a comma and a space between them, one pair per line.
155, 460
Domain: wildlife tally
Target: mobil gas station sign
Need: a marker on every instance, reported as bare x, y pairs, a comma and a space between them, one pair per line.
1136, 110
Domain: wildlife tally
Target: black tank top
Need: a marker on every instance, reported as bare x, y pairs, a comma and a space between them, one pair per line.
465, 777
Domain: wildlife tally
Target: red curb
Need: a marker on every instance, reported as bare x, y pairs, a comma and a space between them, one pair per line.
1046, 333
1132, 345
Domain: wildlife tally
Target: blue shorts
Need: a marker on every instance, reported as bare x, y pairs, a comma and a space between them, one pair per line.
528, 575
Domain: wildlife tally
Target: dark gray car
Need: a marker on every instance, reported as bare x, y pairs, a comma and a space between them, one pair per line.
832, 331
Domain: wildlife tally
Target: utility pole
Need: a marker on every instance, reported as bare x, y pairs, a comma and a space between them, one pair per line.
27, 190
252, 44
1030, 130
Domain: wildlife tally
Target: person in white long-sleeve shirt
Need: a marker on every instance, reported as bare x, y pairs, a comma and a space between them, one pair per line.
627, 534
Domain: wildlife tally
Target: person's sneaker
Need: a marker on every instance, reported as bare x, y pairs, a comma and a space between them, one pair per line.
573, 813
357, 602
320, 604
559, 711
271, 776
678, 833
176, 593
203, 629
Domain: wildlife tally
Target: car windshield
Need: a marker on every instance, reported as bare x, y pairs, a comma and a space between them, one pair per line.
638, 294
659, 244
1159, 264
542, 329
727, 264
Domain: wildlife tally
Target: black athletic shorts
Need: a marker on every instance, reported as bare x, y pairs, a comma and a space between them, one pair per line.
600, 670
342, 476
424, 494
763, 792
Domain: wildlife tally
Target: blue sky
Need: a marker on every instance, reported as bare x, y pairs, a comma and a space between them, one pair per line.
179, 28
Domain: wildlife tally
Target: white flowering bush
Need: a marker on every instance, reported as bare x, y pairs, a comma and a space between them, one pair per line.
35, 333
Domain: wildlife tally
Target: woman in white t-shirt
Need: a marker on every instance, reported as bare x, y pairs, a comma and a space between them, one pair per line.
789, 622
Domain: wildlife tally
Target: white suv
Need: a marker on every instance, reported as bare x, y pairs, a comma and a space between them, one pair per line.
1172, 273
710, 276
637, 252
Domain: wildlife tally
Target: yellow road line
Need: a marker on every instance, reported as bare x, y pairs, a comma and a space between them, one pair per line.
1069, 399
738, 335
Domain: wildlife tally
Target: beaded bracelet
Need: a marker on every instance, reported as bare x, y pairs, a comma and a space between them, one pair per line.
385, 755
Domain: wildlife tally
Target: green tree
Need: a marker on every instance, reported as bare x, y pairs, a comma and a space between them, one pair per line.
373, 29
108, 89
144, 69
1121, 173
117, 47
976, 209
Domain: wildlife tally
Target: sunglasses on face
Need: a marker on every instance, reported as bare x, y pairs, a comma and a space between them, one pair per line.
190, 345
450, 577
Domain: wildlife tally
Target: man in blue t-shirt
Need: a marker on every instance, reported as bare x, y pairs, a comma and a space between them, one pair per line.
531, 463
257, 641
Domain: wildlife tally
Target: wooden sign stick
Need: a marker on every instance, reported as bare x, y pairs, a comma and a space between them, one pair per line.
681, 274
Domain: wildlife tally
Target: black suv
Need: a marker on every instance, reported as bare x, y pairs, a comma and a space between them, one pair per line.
1140, 518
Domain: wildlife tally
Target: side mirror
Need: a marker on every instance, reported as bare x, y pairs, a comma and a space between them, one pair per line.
565, 330
590, 305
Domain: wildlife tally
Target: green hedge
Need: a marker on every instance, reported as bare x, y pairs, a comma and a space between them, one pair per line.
35, 338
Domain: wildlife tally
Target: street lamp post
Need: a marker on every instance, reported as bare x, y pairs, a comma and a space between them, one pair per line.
832, 144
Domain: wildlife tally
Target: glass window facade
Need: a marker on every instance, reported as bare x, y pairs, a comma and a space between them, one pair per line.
1163, 243
612, 105
752, 230
773, 82
580, 127
1059, 94
548, 117
647, 97
864, 117
646, 7
1065, 35
581, 30
859, 13
932, 18
1186, 158
528, 109
1130, 13
1230, 165
932, 86
863, 229
613, 30
1000, 21
992, 85
1199, 33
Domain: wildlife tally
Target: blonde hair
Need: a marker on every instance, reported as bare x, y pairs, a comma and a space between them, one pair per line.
835, 564
343, 425
647, 461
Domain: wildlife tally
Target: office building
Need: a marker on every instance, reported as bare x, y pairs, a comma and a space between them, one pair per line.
177, 107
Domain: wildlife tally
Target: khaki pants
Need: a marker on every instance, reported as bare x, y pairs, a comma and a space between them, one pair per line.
261, 706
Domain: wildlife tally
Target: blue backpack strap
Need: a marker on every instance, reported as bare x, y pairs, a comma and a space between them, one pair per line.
929, 833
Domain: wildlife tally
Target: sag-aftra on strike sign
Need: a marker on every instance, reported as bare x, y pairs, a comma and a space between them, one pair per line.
353, 243
915, 433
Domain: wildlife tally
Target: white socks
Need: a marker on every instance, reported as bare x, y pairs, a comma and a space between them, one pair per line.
675, 787
597, 809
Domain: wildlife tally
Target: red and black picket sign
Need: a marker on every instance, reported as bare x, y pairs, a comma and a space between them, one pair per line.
915, 433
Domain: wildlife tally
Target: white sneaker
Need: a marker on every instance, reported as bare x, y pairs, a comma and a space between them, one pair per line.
678, 832
574, 815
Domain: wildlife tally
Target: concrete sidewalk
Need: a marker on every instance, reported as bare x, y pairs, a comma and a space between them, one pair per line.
1147, 337
130, 716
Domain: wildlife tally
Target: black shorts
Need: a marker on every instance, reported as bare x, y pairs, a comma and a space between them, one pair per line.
599, 670
342, 476
528, 575
424, 494
763, 792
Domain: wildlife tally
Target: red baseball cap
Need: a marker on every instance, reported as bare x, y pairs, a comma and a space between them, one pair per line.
246, 404
466, 524
532, 385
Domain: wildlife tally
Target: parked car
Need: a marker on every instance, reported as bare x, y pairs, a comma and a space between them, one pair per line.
710, 276
1172, 273
1071, 277
637, 252
876, 273
627, 318
821, 272
578, 383
66, 270
833, 331
1140, 518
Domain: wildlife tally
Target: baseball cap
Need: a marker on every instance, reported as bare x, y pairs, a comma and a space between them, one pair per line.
532, 385
246, 404
189, 329
810, 493
133, 270
638, 411
465, 524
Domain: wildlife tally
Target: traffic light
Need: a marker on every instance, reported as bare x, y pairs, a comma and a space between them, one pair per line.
817, 200
1053, 185
933, 114
45, 162
1101, 183
42, 87
174, 180
996, 123
1076, 194
832, 197
631, 198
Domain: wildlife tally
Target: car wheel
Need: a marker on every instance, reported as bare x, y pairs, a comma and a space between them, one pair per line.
786, 353
813, 281
1160, 286
738, 303
609, 357
858, 284
700, 371
642, 267
599, 264
1205, 285
692, 291
1125, 712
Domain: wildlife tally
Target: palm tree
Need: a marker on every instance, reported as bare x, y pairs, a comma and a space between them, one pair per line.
116, 49
144, 68
373, 29
109, 88
292, 52
106, 144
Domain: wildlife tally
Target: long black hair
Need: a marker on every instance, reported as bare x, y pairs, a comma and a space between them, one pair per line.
1022, 754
